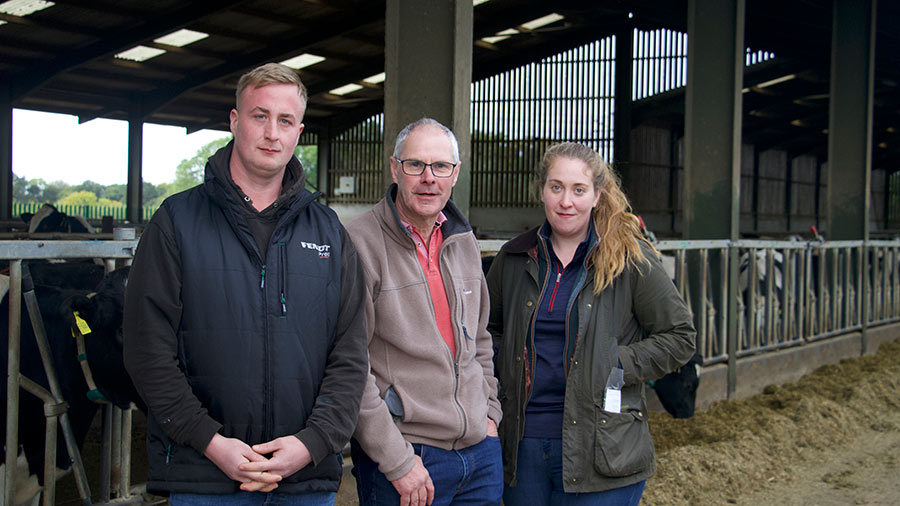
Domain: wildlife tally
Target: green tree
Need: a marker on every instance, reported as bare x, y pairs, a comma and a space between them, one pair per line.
154, 193
309, 156
54, 191
35, 190
78, 198
117, 192
19, 186
90, 186
189, 173
103, 201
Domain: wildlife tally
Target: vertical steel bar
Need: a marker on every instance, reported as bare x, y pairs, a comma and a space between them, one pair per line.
895, 283
849, 318
803, 295
769, 337
862, 281
786, 287
835, 293
116, 468
823, 286
752, 288
862, 285
882, 287
12, 377
723, 308
50, 430
702, 331
125, 469
106, 453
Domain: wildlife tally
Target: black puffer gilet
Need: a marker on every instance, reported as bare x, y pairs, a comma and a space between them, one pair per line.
255, 333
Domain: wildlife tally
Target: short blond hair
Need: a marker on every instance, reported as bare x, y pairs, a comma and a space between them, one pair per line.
270, 73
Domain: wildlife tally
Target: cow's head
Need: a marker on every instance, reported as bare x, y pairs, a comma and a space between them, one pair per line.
102, 310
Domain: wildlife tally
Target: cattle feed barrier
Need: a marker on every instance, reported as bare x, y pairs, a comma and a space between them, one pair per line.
16, 252
787, 294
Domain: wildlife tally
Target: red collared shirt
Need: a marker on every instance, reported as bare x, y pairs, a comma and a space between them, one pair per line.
428, 255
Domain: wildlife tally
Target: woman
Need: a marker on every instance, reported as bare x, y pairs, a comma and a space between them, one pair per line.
582, 315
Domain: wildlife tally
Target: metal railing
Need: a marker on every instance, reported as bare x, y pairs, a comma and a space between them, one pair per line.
788, 293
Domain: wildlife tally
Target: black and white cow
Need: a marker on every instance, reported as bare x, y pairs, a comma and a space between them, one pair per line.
101, 311
50, 219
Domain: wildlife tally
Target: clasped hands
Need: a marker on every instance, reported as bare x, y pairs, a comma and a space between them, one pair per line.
250, 465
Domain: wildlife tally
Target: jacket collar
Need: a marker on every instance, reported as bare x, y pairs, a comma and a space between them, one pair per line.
387, 212
523, 243
527, 242
221, 186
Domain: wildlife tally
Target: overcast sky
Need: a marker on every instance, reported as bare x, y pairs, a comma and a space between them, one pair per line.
55, 147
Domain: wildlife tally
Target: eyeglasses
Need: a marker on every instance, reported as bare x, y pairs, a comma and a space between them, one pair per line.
417, 167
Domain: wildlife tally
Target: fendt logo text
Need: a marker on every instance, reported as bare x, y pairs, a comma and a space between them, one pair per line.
324, 249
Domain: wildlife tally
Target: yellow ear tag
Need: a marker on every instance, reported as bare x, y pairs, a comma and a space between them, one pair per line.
82, 325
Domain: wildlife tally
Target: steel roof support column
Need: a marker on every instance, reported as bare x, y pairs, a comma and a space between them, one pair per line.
712, 146
430, 41
135, 197
850, 135
850, 119
622, 117
323, 161
6, 173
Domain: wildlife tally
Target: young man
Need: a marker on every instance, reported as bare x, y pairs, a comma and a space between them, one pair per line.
429, 415
242, 328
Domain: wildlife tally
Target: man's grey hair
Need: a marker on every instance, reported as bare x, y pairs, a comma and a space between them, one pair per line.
401, 137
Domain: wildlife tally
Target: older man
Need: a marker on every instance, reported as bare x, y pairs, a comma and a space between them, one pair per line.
429, 415
242, 325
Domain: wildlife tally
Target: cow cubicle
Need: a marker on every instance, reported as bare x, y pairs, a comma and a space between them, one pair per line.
116, 443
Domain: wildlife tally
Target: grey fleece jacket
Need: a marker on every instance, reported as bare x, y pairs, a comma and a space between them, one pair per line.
446, 401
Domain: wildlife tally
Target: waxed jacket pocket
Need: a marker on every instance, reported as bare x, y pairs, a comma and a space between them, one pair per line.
622, 444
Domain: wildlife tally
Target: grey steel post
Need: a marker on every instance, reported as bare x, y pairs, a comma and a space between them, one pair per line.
752, 288
52, 422
105, 453
702, 328
862, 282
12, 378
724, 316
768, 338
116, 451
125, 469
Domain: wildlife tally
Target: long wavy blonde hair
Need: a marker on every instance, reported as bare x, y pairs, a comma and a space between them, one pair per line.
617, 228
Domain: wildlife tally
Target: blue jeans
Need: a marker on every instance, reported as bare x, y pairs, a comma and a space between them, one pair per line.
472, 475
253, 499
539, 480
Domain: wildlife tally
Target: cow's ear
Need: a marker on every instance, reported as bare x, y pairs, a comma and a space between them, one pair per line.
84, 306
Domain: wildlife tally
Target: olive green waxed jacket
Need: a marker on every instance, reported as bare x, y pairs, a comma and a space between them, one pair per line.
640, 320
